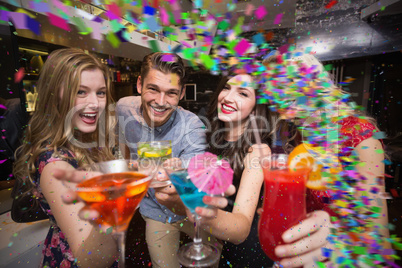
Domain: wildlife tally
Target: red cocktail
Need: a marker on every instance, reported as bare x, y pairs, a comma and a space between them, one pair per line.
284, 205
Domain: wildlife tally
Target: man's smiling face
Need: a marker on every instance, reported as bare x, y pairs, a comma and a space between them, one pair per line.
160, 95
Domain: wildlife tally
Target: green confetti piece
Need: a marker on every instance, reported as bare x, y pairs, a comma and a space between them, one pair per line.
382, 8
15, 234
223, 25
376, 209
206, 59
333, 135
398, 246
154, 45
369, 262
231, 7
109, 230
290, 69
326, 84
361, 164
379, 151
80, 24
185, 16
328, 67
113, 39
360, 250
232, 44
188, 53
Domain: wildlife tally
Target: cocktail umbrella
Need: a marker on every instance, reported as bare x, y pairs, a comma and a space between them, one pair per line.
210, 174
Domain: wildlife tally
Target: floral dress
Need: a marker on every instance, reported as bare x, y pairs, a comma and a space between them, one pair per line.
56, 251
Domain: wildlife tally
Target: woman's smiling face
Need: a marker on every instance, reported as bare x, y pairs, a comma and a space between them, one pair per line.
237, 99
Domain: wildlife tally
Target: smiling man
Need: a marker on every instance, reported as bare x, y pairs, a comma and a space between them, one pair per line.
155, 115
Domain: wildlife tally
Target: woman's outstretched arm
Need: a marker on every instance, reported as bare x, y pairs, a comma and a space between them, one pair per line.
88, 245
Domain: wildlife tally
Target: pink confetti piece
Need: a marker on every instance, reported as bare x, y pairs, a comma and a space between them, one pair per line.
114, 11
164, 16
96, 29
167, 57
261, 12
19, 75
283, 49
242, 47
58, 22
3, 107
61, 6
249, 9
186, 44
19, 20
112, 16
278, 18
2, 161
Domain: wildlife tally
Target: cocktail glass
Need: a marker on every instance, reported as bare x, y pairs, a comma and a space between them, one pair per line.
151, 156
284, 201
115, 193
196, 253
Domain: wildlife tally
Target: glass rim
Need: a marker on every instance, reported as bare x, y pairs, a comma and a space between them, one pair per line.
287, 169
170, 170
150, 142
112, 188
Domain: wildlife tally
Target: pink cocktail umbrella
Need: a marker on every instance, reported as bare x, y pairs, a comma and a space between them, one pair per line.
210, 174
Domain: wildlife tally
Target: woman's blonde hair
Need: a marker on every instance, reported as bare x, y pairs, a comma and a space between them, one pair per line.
48, 129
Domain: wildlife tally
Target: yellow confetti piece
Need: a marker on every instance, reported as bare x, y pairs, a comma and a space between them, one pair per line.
131, 28
20, 10
341, 203
174, 78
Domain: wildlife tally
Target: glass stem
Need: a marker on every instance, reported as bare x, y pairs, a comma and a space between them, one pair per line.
197, 238
121, 244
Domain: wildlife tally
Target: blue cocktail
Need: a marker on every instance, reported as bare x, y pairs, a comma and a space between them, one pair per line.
189, 193
196, 253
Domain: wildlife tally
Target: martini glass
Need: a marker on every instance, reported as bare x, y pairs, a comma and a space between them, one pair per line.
196, 253
115, 194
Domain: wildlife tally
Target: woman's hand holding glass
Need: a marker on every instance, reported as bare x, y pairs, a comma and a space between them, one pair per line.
71, 196
305, 241
169, 197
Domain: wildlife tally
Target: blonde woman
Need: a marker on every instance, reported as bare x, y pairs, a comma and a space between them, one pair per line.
71, 126
299, 88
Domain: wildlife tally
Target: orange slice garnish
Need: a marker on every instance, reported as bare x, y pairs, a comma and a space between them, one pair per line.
318, 178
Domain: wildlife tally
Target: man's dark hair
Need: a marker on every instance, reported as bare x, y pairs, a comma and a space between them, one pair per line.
165, 63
